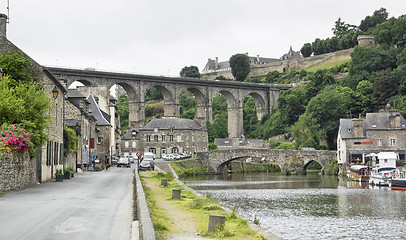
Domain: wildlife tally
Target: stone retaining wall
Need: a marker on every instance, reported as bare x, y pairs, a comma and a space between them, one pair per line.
16, 172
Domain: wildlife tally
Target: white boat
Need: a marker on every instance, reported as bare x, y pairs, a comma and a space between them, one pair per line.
383, 168
398, 181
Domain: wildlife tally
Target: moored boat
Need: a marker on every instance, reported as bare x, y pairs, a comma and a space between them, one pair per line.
358, 173
398, 181
383, 168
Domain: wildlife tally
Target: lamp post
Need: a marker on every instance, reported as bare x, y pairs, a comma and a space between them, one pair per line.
1, 73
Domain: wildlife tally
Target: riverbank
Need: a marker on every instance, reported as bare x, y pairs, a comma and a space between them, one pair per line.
187, 218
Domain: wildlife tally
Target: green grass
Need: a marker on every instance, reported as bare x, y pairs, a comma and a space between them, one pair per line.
326, 65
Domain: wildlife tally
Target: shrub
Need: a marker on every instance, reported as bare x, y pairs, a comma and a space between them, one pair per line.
14, 139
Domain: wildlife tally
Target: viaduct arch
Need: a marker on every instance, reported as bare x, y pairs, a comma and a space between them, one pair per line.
172, 88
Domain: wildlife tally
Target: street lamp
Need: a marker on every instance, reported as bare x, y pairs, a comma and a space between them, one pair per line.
1, 73
55, 92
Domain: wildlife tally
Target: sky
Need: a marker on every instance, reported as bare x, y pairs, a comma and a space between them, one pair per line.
160, 37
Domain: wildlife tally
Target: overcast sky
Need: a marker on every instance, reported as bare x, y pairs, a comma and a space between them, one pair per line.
160, 37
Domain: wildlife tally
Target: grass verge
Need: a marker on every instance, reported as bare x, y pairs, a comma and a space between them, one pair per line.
165, 212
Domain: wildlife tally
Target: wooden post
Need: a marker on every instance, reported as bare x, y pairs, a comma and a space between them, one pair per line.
176, 193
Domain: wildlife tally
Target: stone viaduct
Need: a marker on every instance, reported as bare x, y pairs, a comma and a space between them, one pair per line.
137, 86
296, 160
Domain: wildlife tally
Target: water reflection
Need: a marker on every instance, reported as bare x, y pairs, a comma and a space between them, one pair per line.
310, 207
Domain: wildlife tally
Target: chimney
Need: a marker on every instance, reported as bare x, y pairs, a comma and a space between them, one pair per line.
217, 63
3, 24
357, 127
394, 120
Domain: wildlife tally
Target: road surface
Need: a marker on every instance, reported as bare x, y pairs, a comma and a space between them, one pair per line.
92, 205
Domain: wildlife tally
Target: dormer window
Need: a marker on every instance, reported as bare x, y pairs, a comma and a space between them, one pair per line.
171, 129
349, 130
133, 134
156, 130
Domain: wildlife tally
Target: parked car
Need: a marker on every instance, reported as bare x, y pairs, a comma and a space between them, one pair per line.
147, 164
114, 160
169, 157
131, 158
123, 161
180, 156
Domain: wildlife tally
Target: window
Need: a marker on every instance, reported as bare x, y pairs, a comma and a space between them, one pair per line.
155, 130
163, 151
148, 138
179, 138
171, 129
99, 140
133, 134
393, 142
193, 138
155, 138
126, 144
379, 141
163, 138
170, 138
134, 144
175, 150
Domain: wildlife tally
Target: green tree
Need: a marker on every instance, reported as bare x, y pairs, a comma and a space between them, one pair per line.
15, 65
385, 86
292, 103
240, 66
306, 50
306, 132
153, 94
317, 47
400, 74
26, 104
122, 110
191, 71
187, 105
327, 108
250, 120
370, 22
70, 140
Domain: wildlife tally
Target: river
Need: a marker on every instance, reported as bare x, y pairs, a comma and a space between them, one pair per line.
309, 207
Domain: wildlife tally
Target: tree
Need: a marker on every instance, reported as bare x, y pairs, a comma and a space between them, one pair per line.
26, 104
191, 71
385, 86
317, 47
292, 103
370, 22
15, 65
250, 120
306, 132
187, 105
306, 50
240, 66
123, 111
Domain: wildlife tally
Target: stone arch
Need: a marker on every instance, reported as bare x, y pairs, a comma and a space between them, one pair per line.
234, 110
135, 109
260, 103
310, 162
85, 82
201, 105
171, 108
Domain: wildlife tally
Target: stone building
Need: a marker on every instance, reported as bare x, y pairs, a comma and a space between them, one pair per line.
166, 135
79, 118
378, 132
50, 156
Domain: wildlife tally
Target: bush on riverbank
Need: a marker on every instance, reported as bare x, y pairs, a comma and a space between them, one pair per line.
332, 168
189, 167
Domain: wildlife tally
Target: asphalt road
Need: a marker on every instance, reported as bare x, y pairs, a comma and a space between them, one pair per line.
92, 205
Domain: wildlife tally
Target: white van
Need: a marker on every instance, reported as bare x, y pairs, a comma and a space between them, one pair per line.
149, 155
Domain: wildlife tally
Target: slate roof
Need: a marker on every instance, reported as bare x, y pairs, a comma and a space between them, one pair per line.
175, 123
372, 121
100, 119
129, 133
74, 93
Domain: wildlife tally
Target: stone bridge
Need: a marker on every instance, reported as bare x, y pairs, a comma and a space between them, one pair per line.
172, 88
296, 160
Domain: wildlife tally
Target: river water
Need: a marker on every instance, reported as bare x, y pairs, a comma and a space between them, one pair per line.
309, 207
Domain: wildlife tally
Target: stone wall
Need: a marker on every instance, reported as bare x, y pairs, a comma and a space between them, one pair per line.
16, 172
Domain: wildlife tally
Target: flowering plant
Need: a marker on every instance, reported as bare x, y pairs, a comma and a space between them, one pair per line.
14, 139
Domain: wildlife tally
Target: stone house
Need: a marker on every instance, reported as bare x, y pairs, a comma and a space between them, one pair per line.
384, 131
166, 135
50, 156
79, 118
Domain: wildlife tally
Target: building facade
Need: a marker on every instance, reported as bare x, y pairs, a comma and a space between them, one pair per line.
384, 131
166, 135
